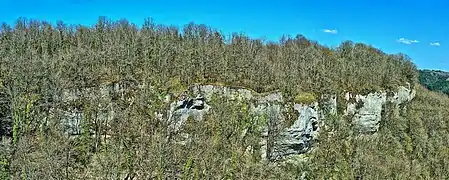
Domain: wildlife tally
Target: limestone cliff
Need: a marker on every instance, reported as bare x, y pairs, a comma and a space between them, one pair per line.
280, 137
366, 111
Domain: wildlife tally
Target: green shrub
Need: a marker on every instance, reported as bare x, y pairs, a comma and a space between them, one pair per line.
305, 98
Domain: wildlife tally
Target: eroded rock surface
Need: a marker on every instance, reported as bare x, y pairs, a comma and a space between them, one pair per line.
367, 109
368, 115
277, 141
181, 110
72, 111
289, 128
298, 138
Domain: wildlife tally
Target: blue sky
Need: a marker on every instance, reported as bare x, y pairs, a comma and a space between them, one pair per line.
417, 28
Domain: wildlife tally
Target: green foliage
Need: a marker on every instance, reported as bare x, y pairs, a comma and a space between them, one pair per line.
187, 168
4, 169
305, 98
22, 116
175, 86
408, 145
15, 131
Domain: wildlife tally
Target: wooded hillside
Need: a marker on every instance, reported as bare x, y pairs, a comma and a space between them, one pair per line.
39, 61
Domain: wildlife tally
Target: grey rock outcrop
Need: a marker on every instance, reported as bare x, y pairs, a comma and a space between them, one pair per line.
367, 109
402, 95
273, 116
180, 111
277, 141
298, 138
288, 129
71, 112
328, 105
72, 121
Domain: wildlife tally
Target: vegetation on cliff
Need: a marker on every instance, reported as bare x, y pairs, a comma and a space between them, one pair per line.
39, 62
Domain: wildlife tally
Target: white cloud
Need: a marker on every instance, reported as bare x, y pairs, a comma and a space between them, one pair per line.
330, 31
407, 41
435, 44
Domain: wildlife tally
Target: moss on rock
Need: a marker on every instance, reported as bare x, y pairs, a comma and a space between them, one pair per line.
305, 98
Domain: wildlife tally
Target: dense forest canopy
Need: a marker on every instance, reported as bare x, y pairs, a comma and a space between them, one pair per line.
112, 51
39, 61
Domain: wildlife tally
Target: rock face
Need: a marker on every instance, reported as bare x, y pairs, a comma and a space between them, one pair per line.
403, 95
298, 138
289, 129
73, 113
272, 112
181, 110
277, 141
329, 105
367, 109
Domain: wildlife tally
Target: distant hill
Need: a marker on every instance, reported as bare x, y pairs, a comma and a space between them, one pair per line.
435, 80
